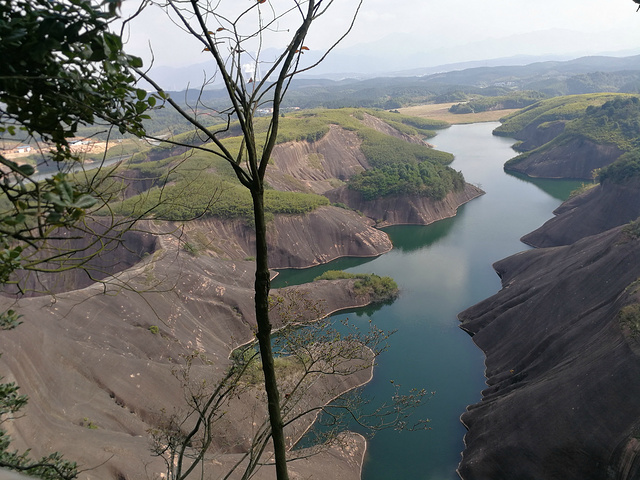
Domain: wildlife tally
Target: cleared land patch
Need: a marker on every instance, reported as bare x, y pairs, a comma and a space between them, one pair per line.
440, 111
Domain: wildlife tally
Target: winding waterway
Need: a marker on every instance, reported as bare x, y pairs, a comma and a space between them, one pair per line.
442, 269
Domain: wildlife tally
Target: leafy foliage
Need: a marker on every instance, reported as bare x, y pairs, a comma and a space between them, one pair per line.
62, 68
623, 169
379, 288
425, 179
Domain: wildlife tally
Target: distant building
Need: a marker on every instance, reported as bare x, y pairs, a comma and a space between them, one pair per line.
22, 149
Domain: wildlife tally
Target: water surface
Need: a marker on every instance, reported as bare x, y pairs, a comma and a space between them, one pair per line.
442, 269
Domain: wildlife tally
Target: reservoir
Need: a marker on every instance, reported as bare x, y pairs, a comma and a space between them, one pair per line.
442, 269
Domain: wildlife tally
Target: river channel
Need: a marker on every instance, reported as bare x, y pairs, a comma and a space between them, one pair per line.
442, 269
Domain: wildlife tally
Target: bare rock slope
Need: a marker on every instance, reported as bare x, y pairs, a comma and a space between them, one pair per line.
317, 166
98, 368
296, 241
405, 209
576, 157
561, 368
600, 208
97, 359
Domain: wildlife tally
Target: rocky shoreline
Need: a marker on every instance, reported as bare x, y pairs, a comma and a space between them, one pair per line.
561, 365
84, 356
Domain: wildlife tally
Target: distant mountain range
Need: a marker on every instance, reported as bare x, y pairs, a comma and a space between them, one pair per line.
401, 56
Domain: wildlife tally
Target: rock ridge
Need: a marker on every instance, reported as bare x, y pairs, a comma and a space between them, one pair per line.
560, 368
602, 207
405, 209
98, 375
575, 157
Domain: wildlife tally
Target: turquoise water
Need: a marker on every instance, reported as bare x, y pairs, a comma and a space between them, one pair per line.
442, 269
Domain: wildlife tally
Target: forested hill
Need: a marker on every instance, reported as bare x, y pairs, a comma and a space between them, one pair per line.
373, 153
451, 84
570, 137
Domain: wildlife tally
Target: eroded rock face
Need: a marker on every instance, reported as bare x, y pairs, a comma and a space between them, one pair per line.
561, 373
535, 135
576, 157
99, 376
296, 241
84, 258
601, 208
318, 166
407, 209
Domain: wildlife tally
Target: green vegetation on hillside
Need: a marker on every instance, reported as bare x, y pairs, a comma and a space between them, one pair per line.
381, 149
629, 317
604, 119
379, 288
211, 196
632, 229
551, 110
502, 102
200, 183
427, 179
399, 167
410, 125
623, 169
615, 122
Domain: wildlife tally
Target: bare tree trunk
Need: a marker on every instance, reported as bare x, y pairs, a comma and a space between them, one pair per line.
262, 287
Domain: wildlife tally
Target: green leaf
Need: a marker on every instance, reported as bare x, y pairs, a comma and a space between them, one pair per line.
26, 170
85, 201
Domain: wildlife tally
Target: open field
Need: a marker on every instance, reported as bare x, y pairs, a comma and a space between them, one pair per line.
440, 111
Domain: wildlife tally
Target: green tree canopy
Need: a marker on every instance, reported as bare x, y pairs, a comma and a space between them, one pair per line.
62, 67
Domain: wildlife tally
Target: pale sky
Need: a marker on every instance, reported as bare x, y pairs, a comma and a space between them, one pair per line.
604, 25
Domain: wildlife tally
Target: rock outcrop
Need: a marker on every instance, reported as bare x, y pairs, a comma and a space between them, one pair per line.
99, 360
82, 257
98, 367
318, 166
406, 209
574, 157
561, 369
295, 241
600, 208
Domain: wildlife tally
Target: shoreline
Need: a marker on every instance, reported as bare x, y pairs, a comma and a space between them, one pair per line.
371, 369
381, 228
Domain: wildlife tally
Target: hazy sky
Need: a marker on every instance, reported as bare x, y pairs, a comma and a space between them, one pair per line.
600, 26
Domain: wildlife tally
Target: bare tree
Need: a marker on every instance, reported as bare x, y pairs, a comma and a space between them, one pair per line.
311, 353
228, 31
